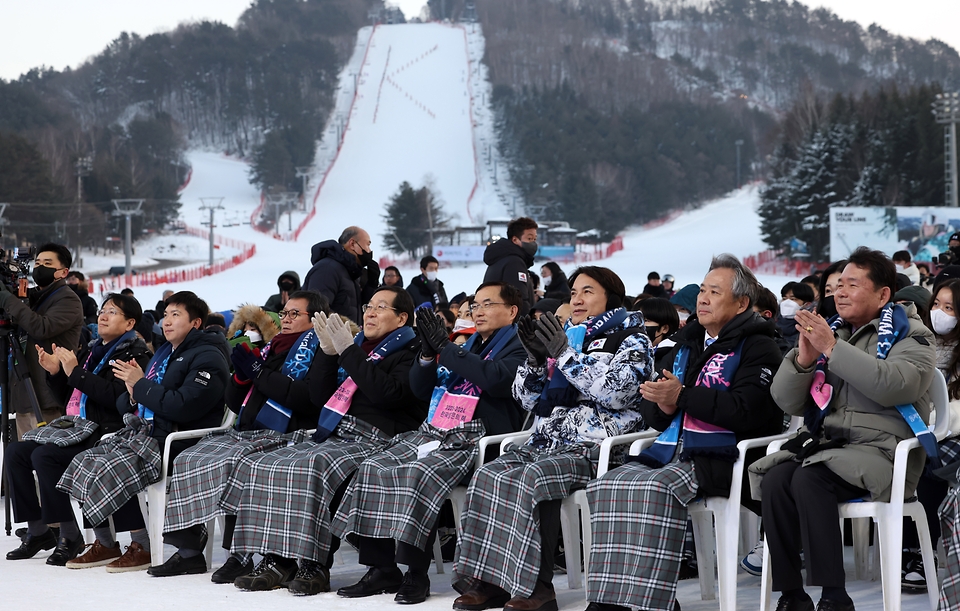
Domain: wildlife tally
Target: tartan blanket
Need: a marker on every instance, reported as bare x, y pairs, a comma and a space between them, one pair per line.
65, 431
950, 536
108, 475
200, 473
639, 522
501, 520
282, 498
396, 495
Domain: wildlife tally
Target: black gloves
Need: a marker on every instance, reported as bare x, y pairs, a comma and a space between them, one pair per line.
536, 351
433, 333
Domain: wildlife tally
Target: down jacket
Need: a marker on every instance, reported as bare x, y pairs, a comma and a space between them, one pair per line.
608, 384
745, 408
862, 410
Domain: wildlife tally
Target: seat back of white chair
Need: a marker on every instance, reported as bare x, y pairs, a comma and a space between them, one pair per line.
941, 408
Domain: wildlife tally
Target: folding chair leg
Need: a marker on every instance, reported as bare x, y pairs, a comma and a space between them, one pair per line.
766, 581
156, 494
890, 531
727, 539
926, 550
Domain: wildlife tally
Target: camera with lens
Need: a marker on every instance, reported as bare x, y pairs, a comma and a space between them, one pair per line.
15, 269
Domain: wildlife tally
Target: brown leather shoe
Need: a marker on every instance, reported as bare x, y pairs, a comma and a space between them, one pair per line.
482, 596
96, 555
134, 559
544, 598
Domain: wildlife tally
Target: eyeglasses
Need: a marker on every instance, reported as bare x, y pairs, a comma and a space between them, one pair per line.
377, 309
109, 312
484, 306
291, 313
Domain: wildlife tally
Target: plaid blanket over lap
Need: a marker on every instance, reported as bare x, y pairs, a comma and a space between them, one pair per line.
950, 532
200, 473
108, 475
639, 521
501, 522
282, 498
396, 495
60, 434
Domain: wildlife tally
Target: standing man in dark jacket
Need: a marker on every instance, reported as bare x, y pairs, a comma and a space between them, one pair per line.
509, 260
426, 288
94, 390
397, 494
717, 394
344, 272
288, 282
77, 282
54, 316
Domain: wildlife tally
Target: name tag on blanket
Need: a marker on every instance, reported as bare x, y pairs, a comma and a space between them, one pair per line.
340, 400
423, 450
454, 410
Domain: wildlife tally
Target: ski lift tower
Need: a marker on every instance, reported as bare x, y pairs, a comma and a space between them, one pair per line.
304, 173
127, 208
212, 204
947, 111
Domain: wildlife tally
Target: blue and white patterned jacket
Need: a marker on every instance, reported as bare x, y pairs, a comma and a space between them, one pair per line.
609, 387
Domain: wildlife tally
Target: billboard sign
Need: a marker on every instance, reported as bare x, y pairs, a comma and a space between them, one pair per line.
924, 232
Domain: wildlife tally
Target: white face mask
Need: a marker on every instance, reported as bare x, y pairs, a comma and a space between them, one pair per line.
463, 323
900, 268
431, 276
789, 308
943, 323
254, 336
546, 281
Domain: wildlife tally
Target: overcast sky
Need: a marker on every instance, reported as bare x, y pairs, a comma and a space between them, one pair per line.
61, 33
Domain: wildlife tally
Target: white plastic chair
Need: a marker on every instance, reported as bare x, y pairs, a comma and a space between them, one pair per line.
726, 512
575, 512
889, 520
156, 494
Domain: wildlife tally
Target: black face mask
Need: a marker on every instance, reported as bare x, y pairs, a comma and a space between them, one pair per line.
651, 331
827, 308
286, 286
530, 247
366, 258
43, 275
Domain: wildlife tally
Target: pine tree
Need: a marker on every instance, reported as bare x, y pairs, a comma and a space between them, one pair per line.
410, 214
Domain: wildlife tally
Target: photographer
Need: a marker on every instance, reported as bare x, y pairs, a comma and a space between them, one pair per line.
53, 314
952, 254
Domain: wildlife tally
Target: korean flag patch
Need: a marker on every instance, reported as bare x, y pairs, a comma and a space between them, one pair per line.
597, 344
523, 276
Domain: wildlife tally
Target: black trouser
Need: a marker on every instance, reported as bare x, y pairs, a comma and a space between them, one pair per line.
931, 491
800, 511
383, 553
50, 461
549, 535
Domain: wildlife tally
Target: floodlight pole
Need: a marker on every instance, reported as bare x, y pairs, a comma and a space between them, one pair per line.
127, 208
83, 167
947, 111
212, 206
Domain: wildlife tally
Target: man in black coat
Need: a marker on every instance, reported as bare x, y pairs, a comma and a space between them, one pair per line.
53, 315
287, 283
717, 395
508, 260
344, 272
426, 288
489, 362
94, 389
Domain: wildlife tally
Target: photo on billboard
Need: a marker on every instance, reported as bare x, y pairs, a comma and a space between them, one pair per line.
924, 232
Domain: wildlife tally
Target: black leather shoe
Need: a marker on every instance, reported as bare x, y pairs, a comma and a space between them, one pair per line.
376, 581
232, 569
30, 545
793, 603
66, 550
609, 607
414, 590
22, 532
178, 565
826, 604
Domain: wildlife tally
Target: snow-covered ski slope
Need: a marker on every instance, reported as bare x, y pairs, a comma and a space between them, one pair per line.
418, 115
421, 109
